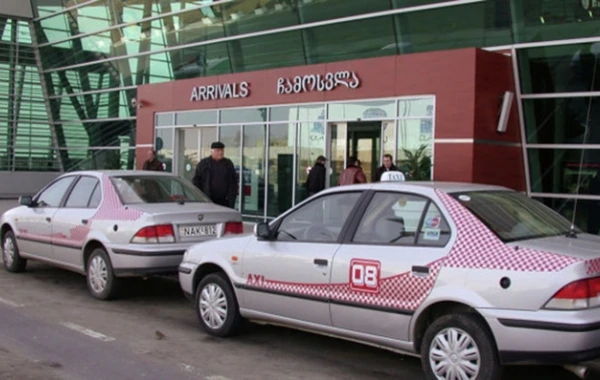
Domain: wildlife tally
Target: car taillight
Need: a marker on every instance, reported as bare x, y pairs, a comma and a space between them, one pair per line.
234, 228
581, 294
162, 233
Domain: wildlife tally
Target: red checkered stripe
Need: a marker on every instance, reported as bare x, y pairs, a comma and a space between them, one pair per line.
476, 247
404, 291
593, 266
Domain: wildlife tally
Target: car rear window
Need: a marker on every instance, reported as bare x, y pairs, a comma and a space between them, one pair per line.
156, 189
514, 216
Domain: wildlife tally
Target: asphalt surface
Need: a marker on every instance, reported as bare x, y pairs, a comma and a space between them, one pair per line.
50, 328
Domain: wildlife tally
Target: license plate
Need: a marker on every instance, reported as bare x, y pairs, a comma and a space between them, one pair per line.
194, 231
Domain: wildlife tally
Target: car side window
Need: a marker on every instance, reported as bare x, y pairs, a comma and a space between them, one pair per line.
320, 220
96, 197
81, 193
435, 231
53, 195
391, 218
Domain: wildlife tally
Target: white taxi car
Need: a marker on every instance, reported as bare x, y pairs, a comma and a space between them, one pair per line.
468, 277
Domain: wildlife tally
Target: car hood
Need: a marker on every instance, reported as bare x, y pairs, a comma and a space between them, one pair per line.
584, 247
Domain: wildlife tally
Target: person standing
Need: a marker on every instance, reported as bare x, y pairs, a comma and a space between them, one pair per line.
353, 173
388, 166
153, 163
216, 177
316, 177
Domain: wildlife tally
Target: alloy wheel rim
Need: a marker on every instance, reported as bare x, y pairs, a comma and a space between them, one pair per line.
98, 274
213, 306
454, 355
9, 251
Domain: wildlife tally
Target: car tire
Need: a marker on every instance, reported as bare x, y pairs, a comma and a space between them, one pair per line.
474, 344
13, 262
100, 276
217, 307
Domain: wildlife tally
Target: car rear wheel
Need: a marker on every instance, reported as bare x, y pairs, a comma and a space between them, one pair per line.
217, 307
13, 262
101, 281
459, 346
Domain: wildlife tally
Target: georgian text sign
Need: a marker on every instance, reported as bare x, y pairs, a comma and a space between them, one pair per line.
220, 91
318, 82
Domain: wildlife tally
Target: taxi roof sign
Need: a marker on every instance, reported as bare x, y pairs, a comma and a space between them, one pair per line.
393, 176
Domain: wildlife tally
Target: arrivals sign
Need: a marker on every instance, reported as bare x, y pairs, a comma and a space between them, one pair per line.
312, 82
220, 91
296, 85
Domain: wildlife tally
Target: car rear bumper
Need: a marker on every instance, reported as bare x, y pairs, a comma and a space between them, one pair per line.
142, 260
545, 337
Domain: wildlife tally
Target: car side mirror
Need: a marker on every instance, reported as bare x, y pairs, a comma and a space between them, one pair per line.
262, 231
26, 200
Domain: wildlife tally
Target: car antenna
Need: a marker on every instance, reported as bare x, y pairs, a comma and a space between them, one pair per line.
594, 49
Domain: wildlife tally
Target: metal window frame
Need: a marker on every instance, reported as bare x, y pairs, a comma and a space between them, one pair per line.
521, 114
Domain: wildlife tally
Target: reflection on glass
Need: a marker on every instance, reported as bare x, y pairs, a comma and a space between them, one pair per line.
230, 135
485, 23
562, 120
196, 118
548, 20
265, 52
164, 147
332, 42
95, 159
389, 138
313, 11
362, 110
413, 134
557, 171
564, 68
164, 120
253, 176
415, 107
281, 168
188, 152
243, 115
339, 143
587, 217
298, 113
208, 135
311, 144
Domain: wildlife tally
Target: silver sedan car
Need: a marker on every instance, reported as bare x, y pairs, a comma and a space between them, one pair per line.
109, 225
466, 277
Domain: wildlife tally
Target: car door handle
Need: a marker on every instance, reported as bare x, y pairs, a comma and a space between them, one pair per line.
48, 219
419, 270
84, 221
321, 262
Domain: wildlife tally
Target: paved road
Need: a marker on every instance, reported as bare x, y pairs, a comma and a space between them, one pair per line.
50, 328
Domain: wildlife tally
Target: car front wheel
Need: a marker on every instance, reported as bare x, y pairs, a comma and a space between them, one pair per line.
459, 346
217, 307
101, 281
13, 262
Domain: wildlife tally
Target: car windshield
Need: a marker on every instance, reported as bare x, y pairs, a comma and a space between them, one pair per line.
514, 216
156, 189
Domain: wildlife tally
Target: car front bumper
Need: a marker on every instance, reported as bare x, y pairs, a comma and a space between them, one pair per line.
146, 259
186, 278
545, 336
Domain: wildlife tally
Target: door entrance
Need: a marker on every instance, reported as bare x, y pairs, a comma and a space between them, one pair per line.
360, 139
194, 145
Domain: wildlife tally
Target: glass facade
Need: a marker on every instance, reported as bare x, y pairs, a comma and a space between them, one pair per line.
68, 78
273, 175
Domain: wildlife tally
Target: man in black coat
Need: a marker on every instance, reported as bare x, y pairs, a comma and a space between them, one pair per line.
388, 165
216, 177
316, 177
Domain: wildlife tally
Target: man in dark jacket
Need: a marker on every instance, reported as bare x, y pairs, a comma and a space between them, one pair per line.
388, 165
216, 177
152, 163
316, 177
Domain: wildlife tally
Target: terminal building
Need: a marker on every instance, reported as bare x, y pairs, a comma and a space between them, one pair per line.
502, 92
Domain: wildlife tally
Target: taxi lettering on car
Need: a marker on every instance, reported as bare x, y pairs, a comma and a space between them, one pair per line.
467, 277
